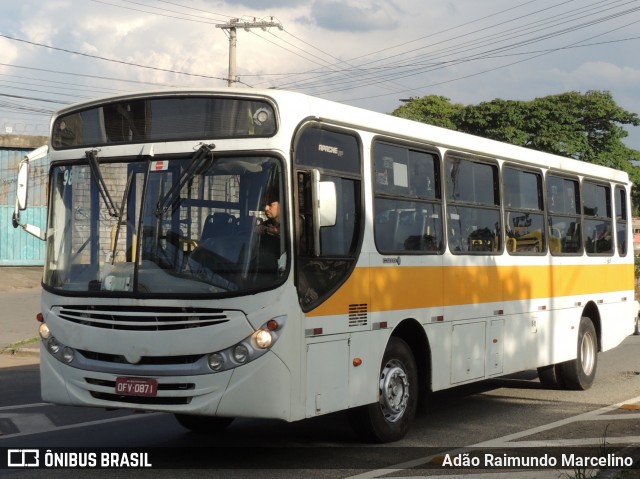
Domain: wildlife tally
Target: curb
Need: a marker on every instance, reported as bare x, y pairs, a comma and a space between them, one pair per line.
20, 352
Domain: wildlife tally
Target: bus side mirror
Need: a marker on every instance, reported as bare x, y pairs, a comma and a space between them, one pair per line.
22, 188
22, 192
326, 207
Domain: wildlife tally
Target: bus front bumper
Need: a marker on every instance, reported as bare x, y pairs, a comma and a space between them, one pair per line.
259, 389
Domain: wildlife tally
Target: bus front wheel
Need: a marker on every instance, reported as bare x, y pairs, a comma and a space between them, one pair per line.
391, 416
203, 424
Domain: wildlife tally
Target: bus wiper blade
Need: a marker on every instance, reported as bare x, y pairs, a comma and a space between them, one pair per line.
96, 174
122, 205
200, 157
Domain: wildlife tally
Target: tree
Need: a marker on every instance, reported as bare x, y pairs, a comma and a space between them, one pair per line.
587, 127
432, 109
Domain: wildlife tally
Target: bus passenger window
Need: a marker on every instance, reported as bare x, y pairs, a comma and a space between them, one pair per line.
473, 207
408, 205
524, 213
598, 237
563, 201
621, 220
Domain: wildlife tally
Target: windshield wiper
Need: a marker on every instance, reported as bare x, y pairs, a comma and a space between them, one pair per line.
121, 215
201, 157
96, 174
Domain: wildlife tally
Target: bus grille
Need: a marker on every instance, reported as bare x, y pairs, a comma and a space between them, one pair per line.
156, 400
168, 401
142, 318
144, 360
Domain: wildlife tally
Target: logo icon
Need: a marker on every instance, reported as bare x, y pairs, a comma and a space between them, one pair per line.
23, 458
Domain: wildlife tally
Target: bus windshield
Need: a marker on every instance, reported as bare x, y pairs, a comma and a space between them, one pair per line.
203, 224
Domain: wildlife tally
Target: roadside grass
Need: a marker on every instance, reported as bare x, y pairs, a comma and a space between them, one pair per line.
15, 347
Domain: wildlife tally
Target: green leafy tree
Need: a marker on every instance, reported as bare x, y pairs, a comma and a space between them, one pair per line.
587, 127
432, 109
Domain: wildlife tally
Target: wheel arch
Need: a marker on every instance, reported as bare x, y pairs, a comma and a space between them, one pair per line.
412, 333
592, 312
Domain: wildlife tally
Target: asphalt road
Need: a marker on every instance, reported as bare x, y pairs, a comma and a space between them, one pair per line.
504, 412
508, 412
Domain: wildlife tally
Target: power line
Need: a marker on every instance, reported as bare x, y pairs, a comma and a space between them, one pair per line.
470, 45
437, 33
494, 69
84, 75
199, 20
97, 57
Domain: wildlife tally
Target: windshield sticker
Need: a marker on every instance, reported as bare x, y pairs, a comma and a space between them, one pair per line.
159, 165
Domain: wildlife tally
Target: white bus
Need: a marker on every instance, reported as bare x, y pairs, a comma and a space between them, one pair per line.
407, 259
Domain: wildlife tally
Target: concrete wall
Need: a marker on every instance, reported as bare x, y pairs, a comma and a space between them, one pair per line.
21, 142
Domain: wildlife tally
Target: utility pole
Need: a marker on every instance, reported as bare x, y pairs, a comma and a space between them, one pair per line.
232, 27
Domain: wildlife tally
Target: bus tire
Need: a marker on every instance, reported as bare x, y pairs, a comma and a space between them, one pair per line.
579, 373
637, 329
390, 418
203, 424
551, 376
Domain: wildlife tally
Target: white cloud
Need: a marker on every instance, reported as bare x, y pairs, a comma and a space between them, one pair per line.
354, 16
605, 73
8, 51
372, 37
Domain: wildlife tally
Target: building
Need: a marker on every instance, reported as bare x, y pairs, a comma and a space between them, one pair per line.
18, 248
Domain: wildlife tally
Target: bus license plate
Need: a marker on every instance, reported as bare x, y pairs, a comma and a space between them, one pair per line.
136, 386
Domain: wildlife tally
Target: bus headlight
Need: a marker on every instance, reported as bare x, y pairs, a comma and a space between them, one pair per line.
43, 331
67, 354
53, 345
263, 338
240, 353
249, 349
216, 361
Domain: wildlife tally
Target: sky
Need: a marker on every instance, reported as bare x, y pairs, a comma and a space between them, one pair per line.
366, 53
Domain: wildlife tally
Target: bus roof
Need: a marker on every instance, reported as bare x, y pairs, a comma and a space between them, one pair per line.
381, 124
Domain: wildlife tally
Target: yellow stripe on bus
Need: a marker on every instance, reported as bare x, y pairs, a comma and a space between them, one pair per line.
409, 287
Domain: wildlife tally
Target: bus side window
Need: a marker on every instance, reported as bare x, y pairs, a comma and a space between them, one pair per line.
524, 211
597, 218
408, 201
473, 211
621, 219
563, 201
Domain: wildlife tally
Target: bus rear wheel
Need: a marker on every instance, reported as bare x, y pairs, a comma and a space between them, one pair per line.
203, 424
551, 376
579, 373
390, 418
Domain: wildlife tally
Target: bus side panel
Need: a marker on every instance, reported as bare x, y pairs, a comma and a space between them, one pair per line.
267, 379
440, 339
363, 379
618, 320
327, 378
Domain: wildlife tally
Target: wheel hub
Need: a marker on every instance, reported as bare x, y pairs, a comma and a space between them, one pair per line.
394, 390
588, 353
